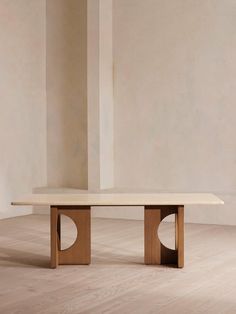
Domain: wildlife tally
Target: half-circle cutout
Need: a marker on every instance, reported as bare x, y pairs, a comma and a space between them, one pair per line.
166, 231
69, 232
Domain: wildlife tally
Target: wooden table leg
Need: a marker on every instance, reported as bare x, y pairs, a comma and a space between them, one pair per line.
154, 251
79, 253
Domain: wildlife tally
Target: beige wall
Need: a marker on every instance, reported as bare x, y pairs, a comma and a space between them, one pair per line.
67, 93
23, 101
174, 99
174, 90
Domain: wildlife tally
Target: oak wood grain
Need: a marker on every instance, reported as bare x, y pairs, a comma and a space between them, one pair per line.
80, 251
54, 237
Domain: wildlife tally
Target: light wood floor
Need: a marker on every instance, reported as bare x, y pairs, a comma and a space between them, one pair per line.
116, 281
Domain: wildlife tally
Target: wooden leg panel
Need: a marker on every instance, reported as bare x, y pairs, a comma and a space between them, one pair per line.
152, 247
54, 237
180, 236
80, 252
154, 251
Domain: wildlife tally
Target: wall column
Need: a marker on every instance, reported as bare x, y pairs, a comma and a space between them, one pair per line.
100, 94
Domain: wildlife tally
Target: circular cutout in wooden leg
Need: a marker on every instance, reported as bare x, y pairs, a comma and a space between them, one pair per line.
69, 232
166, 231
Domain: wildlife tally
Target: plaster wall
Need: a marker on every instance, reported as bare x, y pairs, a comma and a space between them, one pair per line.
23, 101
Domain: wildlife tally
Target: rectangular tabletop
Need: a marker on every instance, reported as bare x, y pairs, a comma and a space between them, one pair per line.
119, 199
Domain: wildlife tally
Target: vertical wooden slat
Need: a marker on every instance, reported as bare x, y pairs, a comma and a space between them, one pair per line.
54, 237
58, 231
180, 236
176, 230
152, 245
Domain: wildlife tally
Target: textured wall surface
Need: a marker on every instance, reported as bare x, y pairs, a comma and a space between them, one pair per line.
23, 101
174, 93
174, 99
67, 93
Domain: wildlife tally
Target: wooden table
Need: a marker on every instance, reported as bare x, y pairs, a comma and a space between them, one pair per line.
156, 207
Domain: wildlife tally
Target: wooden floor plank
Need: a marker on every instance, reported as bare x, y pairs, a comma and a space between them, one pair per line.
117, 281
